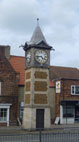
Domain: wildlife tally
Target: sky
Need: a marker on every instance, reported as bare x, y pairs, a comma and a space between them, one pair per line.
59, 22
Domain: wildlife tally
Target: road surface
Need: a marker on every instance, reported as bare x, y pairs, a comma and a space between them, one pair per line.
46, 137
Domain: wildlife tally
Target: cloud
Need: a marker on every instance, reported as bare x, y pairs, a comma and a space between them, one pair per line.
17, 16
72, 63
59, 21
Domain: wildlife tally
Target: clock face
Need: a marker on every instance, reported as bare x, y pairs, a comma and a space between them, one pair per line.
28, 57
41, 56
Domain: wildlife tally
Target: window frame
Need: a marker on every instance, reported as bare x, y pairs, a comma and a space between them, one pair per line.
68, 111
2, 113
74, 86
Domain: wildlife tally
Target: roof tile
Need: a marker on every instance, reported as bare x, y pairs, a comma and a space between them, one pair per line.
63, 72
18, 64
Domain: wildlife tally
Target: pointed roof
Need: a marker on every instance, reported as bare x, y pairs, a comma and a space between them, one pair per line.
37, 40
37, 36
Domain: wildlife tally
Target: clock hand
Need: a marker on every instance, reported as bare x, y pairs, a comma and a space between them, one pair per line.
39, 56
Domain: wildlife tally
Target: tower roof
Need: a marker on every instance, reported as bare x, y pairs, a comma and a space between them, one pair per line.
37, 39
37, 36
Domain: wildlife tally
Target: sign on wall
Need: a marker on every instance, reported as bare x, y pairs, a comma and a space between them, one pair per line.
22, 104
58, 86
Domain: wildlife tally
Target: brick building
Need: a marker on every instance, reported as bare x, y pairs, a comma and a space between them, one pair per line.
8, 89
66, 77
67, 93
60, 97
18, 63
64, 102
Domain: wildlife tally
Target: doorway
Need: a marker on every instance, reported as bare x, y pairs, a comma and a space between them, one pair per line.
77, 113
39, 118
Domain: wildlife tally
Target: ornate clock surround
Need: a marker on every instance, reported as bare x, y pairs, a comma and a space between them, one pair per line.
33, 62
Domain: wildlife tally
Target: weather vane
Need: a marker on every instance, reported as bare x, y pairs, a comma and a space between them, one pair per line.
37, 21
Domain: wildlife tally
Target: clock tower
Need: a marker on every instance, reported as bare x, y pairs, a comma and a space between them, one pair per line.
36, 97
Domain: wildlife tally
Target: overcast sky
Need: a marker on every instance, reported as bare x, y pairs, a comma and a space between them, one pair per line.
59, 21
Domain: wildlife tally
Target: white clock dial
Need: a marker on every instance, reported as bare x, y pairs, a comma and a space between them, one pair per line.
28, 57
41, 56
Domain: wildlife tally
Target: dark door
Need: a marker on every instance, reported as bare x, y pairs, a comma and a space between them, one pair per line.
77, 113
40, 118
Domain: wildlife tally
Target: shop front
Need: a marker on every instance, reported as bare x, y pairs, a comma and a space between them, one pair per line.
69, 112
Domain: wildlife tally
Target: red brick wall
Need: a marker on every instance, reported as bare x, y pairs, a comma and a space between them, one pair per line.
9, 87
65, 93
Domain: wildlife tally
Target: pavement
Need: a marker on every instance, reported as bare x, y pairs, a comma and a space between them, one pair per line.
54, 128
75, 125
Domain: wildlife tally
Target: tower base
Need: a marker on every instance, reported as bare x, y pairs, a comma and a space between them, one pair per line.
36, 118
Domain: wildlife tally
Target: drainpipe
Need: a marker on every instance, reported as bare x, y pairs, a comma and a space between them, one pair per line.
66, 102
8, 117
63, 89
66, 112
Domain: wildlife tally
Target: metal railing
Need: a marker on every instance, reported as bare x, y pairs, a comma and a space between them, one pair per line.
50, 135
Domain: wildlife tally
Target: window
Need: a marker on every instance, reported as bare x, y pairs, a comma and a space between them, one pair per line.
68, 111
75, 90
21, 110
21, 113
0, 88
3, 114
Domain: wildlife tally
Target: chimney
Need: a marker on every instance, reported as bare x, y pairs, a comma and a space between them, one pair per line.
5, 51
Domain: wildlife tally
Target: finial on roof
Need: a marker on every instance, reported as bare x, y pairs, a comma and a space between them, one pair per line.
37, 21
37, 35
